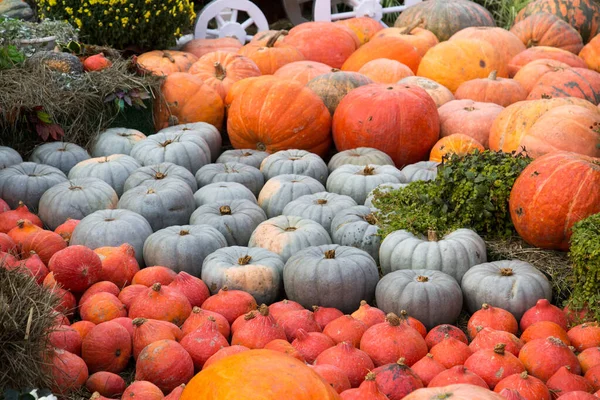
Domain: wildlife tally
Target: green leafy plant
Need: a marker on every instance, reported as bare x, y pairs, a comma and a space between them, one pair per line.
10, 57
13, 31
133, 98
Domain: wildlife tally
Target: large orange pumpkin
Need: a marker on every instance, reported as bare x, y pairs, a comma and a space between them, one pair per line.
258, 374
544, 29
530, 73
501, 91
591, 54
185, 98
506, 42
289, 116
553, 193
421, 38
165, 62
271, 56
364, 27
303, 71
401, 120
200, 47
454, 62
570, 82
538, 52
392, 47
383, 70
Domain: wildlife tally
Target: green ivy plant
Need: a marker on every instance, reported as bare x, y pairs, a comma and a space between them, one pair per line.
10, 57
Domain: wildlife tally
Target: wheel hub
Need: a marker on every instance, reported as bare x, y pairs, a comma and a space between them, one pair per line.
233, 29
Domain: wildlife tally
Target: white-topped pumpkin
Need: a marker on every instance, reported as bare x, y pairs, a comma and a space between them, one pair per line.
357, 181
114, 170
293, 161
27, 182
321, 207
280, 190
231, 172
250, 157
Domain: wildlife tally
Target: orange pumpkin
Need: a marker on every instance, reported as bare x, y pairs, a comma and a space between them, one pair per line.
570, 82
165, 363
470, 118
262, 38
272, 56
185, 98
333, 86
545, 29
364, 27
220, 70
66, 228
302, 71
200, 47
543, 330
501, 91
163, 303
454, 144
539, 52
421, 38
591, 54
533, 71
506, 42
456, 61
529, 387
439, 93
290, 116
585, 336
8, 219
23, 229
553, 193
165, 62
102, 307
383, 70
118, 264
44, 243
391, 47
491, 317
250, 374
150, 275
458, 391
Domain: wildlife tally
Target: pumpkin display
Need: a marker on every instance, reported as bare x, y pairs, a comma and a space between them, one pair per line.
231, 172
501, 91
389, 47
356, 226
76, 199
470, 118
102, 307
244, 156
249, 374
165, 62
181, 97
456, 61
530, 73
113, 169
359, 156
9, 156
332, 87
115, 141
182, 248
397, 380
454, 254
564, 381
336, 266
113, 228
292, 116
589, 54
76, 267
282, 189
368, 125
206, 131
421, 39
272, 55
364, 27
424, 294
505, 41
221, 69
61, 155
383, 70
542, 189
253, 270
44, 243
200, 47
320, 207
26, 182
571, 82
223, 192
357, 181
235, 219
456, 391
302, 71
545, 29
119, 265
181, 148
456, 143
494, 365
543, 52
257, 329
439, 93
299, 162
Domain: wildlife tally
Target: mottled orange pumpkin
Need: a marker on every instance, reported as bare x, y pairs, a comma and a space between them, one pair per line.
501, 91
290, 116
383, 70
506, 42
421, 38
469, 118
545, 29
250, 375
391, 47
364, 27
165, 62
530, 73
570, 82
302, 71
185, 98
333, 86
272, 56
539, 52
454, 62
591, 54
200, 47
262, 38
439, 93
220, 70
553, 193
454, 144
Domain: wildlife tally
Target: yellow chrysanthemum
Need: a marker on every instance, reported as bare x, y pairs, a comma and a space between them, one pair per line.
51, 3
147, 14
124, 21
69, 10
100, 23
78, 22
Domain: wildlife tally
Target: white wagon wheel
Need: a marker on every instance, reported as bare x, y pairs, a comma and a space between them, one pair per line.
324, 10
225, 14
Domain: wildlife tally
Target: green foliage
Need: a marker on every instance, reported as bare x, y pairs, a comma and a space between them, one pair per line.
13, 31
145, 24
504, 11
471, 191
585, 255
10, 57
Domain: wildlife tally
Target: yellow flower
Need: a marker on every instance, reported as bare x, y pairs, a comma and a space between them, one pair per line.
131, 5
100, 23
116, 17
105, 12
180, 7
124, 21
147, 20
126, 9
48, 8
117, 10
51, 2
78, 22
147, 14
69, 10
158, 13
110, 24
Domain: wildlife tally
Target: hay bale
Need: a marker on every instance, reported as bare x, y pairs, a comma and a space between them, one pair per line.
26, 316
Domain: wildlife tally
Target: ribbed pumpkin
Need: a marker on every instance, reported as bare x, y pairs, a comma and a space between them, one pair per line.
311, 344
543, 52
427, 368
456, 61
571, 82
165, 363
23, 228
354, 362
456, 143
421, 39
451, 352
200, 47
203, 343
435, 16
161, 302
113, 169
583, 15
186, 98
67, 371
293, 321
115, 141
369, 315
107, 347
200, 317
439, 93
529, 387
272, 55
101, 307
487, 338
292, 116
206, 131
506, 42
356, 181
501, 91
530, 73
543, 357
9, 157
456, 392
249, 374
61, 155
491, 317
143, 390
258, 330
368, 125
333, 86
106, 383
231, 172
230, 303
302, 71
383, 70
590, 54
589, 358
390, 47
545, 29
165, 62
147, 331
150, 275
364, 27
118, 264
457, 374
573, 199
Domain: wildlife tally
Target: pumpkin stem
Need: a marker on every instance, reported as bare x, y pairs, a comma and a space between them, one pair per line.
422, 278
290, 229
392, 319
196, 309
95, 396
479, 328
321, 201
244, 260
330, 254
183, 232
250, 316
532, 43
21, 223
506, 271
315, 308
404, 314
485, 306
73, 187
225, 288
429, 355
260, 146
368, 170
151, 191
546, 96
168, 56
264, 310
159, 175
220, 71
401, 361
432, 235
156, 287
499, 348
556, 341
246, 154
275, 38
138, 321
211, 318
493, 75
406, 30
371, 219
469, 108
225, 210
363, 303
524, 375
370, 376
335, 70
166, 143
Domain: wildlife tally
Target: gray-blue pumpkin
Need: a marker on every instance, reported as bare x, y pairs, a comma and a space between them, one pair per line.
280, 190
357, 181
61, 155
231, 172
116, 141
357, 227
223, 191
359, 156
250, 157
320, 207
206, 131
114, 170
27, 182
9, 156
159, 172
293, 161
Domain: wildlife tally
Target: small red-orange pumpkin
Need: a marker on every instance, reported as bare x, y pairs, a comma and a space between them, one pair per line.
543, 357
303, 71
200, 47
501, 91
383, 70
539, 52
76, 268
457, 143
391, 47
107, 384
107, 347
157, 274
146, 331
530, 73
530, 387
101, 307
230, 303
118, 264
164, 363
165, 62
68, 371
161, 302
492, 317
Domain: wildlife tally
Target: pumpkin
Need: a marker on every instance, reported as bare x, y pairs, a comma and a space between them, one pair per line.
390, 47
359, 156
434, 15
147, 331
571, 82
581, 14
342, 264
356, 226
589, 358
333, 376
505, 41
529, 387
65, 230
225, 352
357, 181
545, 29
346, 329
468, 117
9, 156
282, 189
302, 71
26, 182
102, 307
165, 62
540, 52
163, 303
56, 61
244, 156
585, 336
396, 379
427, 368
530, 73
543, 357
160, 171
97, 62
456, 61
76, 198
439, 93
562, 199
192, 287
61, 155
332, 87
383, 70
44, 243
231, 172
589, 54
543, 311
258, 329
249, 375
220, 70
230, 303
457, 391
324, 315
299, 162
99, 287
188, 150
368, 390
320, 207
200, 317
223, 192
444, 331
352, 361
364, 27
206, 131
106, 347
68, 371
144, 390
294, 321
263, 37
283, 306
76, 267
115, 141
113, 169
113, 228
107, 384
311, 344
451, 352
369, 315
23, 228
421, 39
272, 55
501, 91
203, 343
543, 330
35, 267
494, 365
453, 254
165, 363
490, 331
456, 143
200, 47
368, 125
186, 98
66, 338
420, 292
457, 374
564, 381
188, 247
253, 270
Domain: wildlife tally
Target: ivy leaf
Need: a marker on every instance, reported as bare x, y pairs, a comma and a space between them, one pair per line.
43, 116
